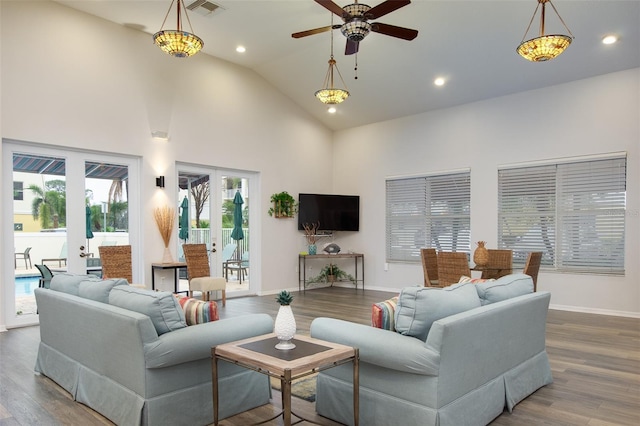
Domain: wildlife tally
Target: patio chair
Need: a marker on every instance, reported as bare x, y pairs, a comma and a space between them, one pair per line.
499, 264
452, 266
240, 266
430, 267
46, 275
61, 258
227, 256
199, 272
116, 262
24, 255
532, 267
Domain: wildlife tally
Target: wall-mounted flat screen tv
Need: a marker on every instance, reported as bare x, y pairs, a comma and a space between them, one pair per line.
333, 212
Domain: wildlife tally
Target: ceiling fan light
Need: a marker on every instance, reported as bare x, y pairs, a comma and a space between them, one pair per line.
544, 48
355, 30
179, 44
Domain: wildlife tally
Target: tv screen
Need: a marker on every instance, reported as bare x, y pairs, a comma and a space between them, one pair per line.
333, 212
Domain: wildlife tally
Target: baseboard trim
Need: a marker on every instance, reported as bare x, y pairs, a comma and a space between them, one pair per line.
595, 311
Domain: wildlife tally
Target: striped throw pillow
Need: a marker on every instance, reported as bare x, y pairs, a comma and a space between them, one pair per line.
383, 313
198, 311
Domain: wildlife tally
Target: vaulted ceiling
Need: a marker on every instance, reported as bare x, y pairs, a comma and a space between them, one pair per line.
471, 44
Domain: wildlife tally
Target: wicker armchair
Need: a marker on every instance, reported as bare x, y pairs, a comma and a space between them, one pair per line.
452, 266
532, 267
198, 269
499, 264
116, 262
430, 267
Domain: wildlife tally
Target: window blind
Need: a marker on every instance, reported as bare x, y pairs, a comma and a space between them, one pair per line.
574, 212
427, 211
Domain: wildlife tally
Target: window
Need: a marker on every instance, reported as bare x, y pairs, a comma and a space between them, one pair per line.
574, 212
427, 211
18, 191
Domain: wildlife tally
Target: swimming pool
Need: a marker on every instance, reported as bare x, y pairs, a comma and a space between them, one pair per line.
25, 285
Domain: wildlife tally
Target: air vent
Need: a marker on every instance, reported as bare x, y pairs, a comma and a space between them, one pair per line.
204, 7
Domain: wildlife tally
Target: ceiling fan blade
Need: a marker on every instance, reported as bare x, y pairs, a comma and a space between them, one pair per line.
332, 7
351, 47
386, 7
393, 31
314, 31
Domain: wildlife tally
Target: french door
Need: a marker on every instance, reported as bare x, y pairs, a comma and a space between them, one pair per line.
64, 205
208, 194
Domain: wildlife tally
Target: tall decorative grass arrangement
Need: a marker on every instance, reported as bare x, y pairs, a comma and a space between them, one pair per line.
165, 220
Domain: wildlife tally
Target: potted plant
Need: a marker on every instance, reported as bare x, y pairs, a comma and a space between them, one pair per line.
284, 205
285, 324
331, 273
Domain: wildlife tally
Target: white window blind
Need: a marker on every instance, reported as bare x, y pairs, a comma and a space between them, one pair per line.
574, 212
427, 211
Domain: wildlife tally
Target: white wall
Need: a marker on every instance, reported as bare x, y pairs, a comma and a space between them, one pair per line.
593, 116
73, 80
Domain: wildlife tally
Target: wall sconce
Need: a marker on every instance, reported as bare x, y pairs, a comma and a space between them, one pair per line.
160, 181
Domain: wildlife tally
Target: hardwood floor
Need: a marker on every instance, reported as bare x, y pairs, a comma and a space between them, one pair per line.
595, 361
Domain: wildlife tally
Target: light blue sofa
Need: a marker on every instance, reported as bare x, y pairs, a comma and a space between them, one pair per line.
124, 365
471, 366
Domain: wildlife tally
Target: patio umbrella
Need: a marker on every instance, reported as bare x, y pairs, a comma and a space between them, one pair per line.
88, 231
184, 220
237, 233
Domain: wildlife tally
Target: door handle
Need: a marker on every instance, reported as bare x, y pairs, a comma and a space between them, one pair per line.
83, 254
213, 250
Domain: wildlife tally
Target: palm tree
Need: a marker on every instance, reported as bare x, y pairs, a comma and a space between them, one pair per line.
49, 204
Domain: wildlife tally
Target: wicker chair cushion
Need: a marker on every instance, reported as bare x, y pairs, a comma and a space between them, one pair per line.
419, 307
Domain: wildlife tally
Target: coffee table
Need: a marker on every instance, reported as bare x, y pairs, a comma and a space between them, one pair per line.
309, 356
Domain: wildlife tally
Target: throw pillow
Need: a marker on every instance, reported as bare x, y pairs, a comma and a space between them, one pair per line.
198, 311
503, 288
419, 307
99, 290
383, 314
163, 309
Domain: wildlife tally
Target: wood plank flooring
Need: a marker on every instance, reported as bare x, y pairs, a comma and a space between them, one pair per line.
595, 361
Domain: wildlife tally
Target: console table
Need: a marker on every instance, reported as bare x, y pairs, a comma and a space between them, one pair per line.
358, 258
174, 265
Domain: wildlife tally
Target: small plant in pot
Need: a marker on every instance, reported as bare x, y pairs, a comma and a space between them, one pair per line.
331, 273
284, 205
285, 324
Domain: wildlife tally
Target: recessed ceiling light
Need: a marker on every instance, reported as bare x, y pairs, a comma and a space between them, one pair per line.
241, 49
610, 39
332, 110
439, 81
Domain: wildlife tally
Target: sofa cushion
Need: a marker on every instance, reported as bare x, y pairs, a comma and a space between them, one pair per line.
419, 307
198, 311
383, 314
163, 309
99, 290
503, 288
70, 283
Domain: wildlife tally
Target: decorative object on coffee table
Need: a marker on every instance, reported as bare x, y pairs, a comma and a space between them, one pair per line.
481, 255
164, 220
285, 325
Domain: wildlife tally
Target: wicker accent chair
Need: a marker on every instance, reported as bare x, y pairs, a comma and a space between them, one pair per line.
500, 264
452, 266
198, 269
430, 267
532, 267
116, 262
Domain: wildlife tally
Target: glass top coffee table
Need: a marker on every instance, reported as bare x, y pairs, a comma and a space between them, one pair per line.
309, 356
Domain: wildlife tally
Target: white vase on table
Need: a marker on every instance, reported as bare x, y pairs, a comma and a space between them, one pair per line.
285, 328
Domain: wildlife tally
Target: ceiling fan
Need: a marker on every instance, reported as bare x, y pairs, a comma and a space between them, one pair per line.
356, 24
